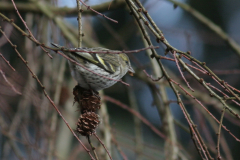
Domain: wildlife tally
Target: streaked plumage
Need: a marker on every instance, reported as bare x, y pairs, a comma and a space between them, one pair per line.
113, 66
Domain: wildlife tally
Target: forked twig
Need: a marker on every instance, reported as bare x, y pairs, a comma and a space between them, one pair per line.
93, 148
155, 80
176, 60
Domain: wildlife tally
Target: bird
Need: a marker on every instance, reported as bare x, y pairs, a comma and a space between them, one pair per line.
100, 70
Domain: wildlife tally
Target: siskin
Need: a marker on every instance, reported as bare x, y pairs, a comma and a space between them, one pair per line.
111, 67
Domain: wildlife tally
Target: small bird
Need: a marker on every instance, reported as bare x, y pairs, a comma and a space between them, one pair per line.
111, 67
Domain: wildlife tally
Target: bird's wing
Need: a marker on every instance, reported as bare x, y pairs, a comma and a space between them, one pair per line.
102, 60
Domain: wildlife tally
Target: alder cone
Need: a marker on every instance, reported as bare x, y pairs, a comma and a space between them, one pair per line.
87, 99
89, 104
87, 123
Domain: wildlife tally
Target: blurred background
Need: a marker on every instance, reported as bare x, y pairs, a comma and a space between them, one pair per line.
137, 122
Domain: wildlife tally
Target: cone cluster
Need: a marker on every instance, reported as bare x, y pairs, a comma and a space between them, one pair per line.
89, 103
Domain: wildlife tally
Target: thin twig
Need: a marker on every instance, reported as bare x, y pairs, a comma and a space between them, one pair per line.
6, 60
195, 135
88, 7
103, 145
226, 97
233, 88
218, 134
119, 149
137, 114
10, 84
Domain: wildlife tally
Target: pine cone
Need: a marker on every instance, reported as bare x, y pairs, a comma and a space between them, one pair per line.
87, 123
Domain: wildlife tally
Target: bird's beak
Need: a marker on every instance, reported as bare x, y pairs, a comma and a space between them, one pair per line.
131, 71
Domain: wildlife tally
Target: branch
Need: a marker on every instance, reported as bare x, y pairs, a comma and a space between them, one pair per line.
105, 52
80, 34
59, 11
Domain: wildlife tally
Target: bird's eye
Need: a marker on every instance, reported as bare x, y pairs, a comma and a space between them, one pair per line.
126, 62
